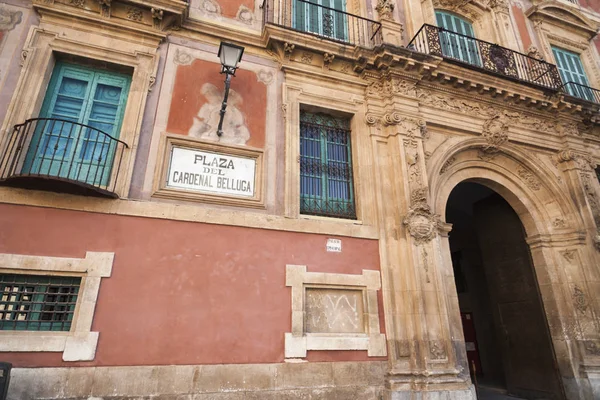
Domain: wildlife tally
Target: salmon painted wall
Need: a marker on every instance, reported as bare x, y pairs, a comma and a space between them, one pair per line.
196, 101
183, 292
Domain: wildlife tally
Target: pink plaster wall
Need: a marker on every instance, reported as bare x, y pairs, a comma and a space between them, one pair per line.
182, 292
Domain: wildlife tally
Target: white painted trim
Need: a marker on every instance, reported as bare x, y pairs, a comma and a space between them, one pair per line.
298, 341
79, 344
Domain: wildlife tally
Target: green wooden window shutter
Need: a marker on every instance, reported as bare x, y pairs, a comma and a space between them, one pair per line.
82, 95
455, 40
313, 17
572, 73
326, 183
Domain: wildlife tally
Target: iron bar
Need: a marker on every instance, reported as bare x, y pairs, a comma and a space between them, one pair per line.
485, 56
582, 92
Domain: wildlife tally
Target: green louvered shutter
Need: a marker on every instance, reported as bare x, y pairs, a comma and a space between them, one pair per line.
86, 96
458, 46
571, 70
314, 17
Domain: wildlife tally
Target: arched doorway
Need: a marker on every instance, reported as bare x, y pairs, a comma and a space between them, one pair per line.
509, 348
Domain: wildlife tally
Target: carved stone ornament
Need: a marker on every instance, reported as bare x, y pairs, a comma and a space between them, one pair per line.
421, 223
265, 77
134, 14
529, 179
592, 348
245, 15
569, 255
288, 49
77, 3
580, 300
157, 16
9, 19
328, 59
151, 83
495, 132
389, 87
447, 164
385, 9
534, 52
105, 7
436, 350
306, 58
211, 7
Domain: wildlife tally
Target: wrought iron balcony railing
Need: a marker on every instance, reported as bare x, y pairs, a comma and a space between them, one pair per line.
486, 56
62, 155
324, 22
582, 92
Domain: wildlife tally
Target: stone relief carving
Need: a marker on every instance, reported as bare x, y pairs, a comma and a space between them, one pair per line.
245, 15
306, 58
425, 257
385, 9
495, 132
594, 202
157, 17
479, 109
284, 108
288, 49
534, 52
151, 83
412, 159
592, 348
134, 14
461, 7
206, 122
580, 300
327, 59
390, 87
437, 350
559, 223
182, 57
447, 164
24, 54
421, 223
77, 3
105, 7
530, 179
334, 311
569, 255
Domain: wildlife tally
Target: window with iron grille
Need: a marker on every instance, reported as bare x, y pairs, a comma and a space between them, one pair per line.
326, 186
37, 303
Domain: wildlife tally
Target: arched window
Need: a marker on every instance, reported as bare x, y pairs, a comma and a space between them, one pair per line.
455, 38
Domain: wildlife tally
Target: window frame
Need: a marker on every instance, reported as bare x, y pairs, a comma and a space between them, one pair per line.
56, 42
325, 184
80, 342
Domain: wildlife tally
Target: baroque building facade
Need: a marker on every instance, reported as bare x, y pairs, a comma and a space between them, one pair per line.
403, 202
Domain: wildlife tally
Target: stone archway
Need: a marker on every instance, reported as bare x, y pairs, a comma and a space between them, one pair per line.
554, 233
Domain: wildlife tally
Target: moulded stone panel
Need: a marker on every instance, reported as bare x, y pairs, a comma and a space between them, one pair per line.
334, 311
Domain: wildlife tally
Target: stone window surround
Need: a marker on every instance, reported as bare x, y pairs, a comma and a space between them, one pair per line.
297, 97
44, 42
550, 33
79, 344
298, 341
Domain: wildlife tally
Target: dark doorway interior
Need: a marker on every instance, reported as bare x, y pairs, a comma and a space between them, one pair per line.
506, 334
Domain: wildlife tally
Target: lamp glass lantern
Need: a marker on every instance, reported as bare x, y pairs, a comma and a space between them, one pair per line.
230, 55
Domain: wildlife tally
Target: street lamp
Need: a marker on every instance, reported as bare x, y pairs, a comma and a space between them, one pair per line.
230, 55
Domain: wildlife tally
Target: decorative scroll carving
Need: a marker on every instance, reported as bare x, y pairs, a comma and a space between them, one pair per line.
559, 223
24, 54
151, 83
391, 87
425, 257
580, 300
284, 108
437, 350
530, 179
447, 164
385, 9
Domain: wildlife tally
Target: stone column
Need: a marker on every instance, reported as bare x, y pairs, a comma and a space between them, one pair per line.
421, 349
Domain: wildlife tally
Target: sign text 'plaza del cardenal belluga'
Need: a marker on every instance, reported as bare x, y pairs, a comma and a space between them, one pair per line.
211, 172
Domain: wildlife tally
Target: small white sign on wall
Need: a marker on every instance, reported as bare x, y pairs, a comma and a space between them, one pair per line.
211, 172
334, 245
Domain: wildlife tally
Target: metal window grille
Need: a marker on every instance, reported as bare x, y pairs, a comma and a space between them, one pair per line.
326, 185
37, 303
